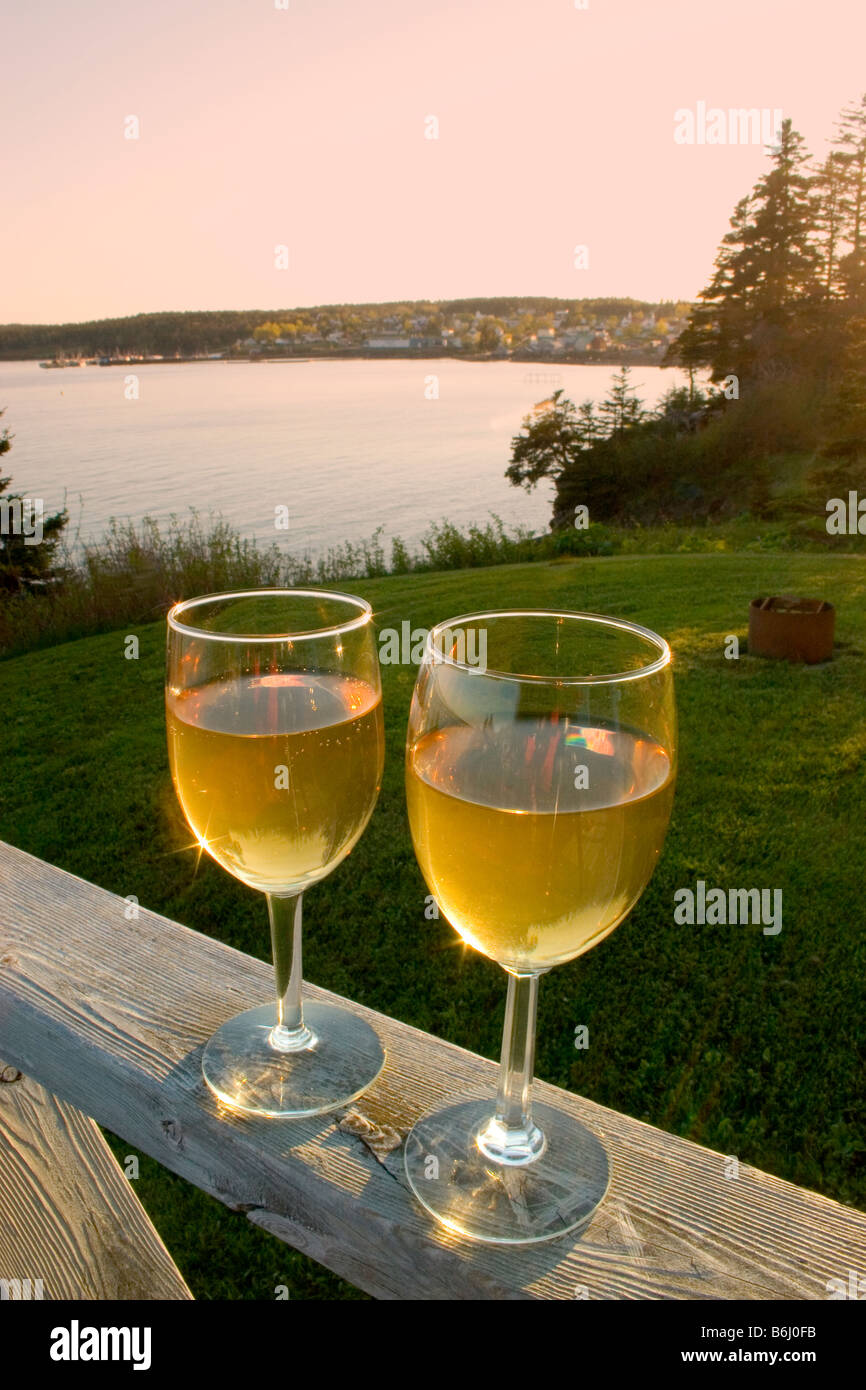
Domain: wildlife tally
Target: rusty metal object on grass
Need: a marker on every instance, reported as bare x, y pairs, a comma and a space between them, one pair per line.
792, 629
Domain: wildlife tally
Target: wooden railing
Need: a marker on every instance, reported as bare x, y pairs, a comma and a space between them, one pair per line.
71, 1225
110, 1016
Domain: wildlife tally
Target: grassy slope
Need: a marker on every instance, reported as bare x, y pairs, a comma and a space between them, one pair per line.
743, 1042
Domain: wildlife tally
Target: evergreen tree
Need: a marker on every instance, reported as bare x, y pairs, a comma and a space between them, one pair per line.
845, 412
830, 186
556, 434
621, 408
851, 149
784, 262
750, 319
549, 438
590, 427
20, 561
717, 330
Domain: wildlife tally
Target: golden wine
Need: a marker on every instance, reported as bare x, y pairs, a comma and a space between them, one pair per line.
537, 837
277, 774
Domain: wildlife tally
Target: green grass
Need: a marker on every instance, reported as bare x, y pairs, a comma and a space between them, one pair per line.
747, 1043
134, 573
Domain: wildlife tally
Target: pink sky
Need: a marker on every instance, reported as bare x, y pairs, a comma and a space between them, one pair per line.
305, 127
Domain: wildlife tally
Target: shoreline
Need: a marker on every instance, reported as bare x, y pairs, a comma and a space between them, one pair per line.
573, 359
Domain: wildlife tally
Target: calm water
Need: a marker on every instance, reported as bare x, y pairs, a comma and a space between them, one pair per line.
346, 446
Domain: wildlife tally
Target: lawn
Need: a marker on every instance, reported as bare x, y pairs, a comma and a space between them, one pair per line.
748, 1043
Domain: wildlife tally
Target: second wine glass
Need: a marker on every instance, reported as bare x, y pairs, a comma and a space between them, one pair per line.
275, 737
539, 777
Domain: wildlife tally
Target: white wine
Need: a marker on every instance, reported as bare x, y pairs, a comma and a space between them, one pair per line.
537, 836
277, 774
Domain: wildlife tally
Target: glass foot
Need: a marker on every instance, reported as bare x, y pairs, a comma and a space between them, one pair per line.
553, 1193
245, 1071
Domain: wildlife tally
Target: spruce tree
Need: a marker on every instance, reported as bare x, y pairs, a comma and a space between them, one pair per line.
831, 185
750, 319
718, 329
20, 561
621, 408
845, 411
784, 262
851, 149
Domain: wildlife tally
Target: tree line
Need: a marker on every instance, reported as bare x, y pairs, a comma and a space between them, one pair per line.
203, 331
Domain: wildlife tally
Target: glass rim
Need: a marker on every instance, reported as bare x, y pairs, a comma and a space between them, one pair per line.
664, 658
365, 614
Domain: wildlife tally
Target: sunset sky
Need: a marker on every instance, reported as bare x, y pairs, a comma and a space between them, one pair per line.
306, 127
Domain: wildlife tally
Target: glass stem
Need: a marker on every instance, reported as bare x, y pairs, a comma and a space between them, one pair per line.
511, 1136
290, 1033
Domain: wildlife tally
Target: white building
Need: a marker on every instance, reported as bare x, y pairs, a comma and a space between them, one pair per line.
386, 341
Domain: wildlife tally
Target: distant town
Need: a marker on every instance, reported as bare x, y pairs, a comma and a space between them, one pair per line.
601, 330
521, 332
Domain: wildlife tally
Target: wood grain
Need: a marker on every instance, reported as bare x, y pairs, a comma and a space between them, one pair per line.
70, 1222
112, 1015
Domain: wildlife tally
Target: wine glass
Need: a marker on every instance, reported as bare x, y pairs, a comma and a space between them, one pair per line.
275, 739
540, 769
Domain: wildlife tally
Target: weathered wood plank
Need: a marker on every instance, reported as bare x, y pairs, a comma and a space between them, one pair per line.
70, 1222
113, 1014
